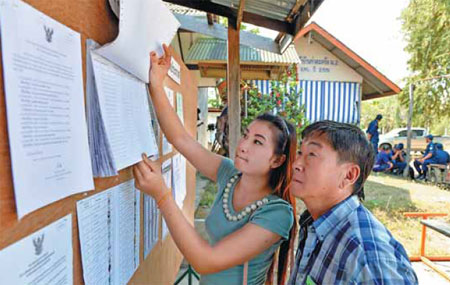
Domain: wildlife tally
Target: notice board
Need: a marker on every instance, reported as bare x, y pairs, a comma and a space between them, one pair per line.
95, 20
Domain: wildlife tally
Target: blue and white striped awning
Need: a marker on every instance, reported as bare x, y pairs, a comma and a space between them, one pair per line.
325, 100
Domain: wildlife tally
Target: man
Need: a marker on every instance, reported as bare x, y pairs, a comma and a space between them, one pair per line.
383, 160
340, 241
372, 132
427, 158
442, 157
398, 159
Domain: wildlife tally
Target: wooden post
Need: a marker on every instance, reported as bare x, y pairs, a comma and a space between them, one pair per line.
409, 132
233, 90
234, 80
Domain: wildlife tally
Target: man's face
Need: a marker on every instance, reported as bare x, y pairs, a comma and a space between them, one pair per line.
317, 171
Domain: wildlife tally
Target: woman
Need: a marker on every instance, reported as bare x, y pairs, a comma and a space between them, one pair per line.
253, 213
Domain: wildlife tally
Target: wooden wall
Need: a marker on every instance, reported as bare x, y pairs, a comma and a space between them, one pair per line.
94, 19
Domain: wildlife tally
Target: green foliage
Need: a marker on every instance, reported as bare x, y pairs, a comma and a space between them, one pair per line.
279, 101
441, 127
224, 21
208, 195
215, 103
394, 114
426, 24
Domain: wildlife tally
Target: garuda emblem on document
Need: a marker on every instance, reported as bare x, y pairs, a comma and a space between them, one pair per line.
48, 33
38, 243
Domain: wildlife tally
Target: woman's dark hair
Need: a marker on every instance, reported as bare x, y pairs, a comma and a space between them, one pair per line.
280, 180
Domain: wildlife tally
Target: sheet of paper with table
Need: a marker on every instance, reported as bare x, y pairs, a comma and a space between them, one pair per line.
151, 224
109, 227
119, 118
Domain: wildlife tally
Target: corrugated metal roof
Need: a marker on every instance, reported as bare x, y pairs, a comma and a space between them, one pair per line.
275, 9
184, 10
209, 49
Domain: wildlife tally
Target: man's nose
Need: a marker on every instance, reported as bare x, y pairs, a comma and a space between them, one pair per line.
298, 164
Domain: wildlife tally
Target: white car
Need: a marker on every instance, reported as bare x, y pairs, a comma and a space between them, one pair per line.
418, 142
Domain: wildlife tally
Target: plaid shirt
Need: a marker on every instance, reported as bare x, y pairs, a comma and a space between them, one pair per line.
348, 245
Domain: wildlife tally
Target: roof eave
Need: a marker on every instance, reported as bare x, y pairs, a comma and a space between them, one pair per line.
314, 27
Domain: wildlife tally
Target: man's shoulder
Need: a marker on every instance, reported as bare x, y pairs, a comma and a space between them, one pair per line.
366, 250
373, 239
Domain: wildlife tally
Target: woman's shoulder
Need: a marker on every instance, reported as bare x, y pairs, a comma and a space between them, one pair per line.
276, 215
276, 204
226, 171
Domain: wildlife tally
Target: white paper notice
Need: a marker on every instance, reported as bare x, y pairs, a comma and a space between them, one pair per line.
45, 107
180, 112
109, 226
42, 258
170, 95
175, 71
144, 26
167, 176
125, 111
166, 145
179, 178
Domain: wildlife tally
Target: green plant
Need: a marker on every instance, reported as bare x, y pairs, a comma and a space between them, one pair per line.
283, 100
215, 103
427, 34
209, 194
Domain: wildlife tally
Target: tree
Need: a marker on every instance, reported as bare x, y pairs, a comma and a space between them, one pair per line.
426, 24
394, 116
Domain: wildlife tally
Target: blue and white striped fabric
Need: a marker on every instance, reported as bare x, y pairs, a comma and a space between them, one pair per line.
325, 100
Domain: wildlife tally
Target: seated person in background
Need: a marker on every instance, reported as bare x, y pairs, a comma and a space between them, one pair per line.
427, 158
398, 159
442, 157
383, 160
340, 241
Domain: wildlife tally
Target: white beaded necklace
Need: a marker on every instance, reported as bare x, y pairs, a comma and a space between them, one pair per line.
244, 212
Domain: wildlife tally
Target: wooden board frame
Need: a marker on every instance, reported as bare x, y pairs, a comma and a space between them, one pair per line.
94, 19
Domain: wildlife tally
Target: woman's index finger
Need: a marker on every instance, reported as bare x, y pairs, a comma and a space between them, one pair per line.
152, 164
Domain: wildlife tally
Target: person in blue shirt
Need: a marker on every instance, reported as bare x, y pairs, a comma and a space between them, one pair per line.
251, 224
421, 165
442, 157
383, 161
398, 159
372, 132
340, 241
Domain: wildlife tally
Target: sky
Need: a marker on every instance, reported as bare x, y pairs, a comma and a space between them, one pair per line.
372, 29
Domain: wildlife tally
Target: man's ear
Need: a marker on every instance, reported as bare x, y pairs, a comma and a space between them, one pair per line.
351, 175
277, 160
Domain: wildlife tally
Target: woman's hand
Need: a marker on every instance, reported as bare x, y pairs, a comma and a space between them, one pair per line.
159, 67
148, 178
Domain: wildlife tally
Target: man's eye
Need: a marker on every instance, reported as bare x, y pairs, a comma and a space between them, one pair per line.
311, 154
245, 136
258, 142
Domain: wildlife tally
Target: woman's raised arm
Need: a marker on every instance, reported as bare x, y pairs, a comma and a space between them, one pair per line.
202, 159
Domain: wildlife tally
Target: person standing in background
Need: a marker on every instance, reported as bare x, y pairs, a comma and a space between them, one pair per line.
372, 132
